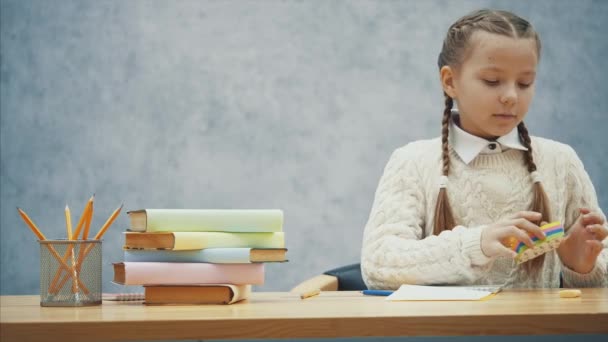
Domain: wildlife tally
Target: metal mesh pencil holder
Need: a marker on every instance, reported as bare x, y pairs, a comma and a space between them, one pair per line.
70, 272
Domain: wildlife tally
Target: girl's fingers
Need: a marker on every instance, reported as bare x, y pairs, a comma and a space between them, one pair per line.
521, 235
600, 231
592, 218
584, 211
529, 227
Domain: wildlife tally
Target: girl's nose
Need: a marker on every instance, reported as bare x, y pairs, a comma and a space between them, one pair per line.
509, 97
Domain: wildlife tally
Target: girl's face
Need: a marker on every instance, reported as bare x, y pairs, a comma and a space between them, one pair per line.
494, 85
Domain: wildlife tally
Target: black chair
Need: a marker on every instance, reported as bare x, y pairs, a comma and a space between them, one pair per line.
345, 278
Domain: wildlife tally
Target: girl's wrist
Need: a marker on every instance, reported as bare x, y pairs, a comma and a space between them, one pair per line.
594, 278
585, 270
580, 269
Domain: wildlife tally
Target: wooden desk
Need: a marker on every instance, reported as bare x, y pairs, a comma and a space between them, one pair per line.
331, 314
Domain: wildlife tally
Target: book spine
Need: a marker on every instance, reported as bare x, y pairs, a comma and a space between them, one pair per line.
161, 273
211, 255
202, 240
193, 220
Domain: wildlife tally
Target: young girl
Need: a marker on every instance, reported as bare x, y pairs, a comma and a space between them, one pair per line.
446, 208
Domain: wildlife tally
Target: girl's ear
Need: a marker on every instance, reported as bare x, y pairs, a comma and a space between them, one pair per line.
447, 81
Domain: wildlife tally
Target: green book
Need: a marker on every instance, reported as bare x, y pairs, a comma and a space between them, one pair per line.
207, 220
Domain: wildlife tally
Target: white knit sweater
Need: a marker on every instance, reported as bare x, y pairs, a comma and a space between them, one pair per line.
398, 245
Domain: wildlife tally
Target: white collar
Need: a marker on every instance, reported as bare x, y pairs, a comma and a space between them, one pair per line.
469, 146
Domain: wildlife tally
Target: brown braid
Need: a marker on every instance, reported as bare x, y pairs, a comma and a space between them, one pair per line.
445, 125
444, 218
540, 202
525, 139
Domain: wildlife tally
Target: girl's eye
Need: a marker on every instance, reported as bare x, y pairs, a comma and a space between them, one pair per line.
491, 82
524, 85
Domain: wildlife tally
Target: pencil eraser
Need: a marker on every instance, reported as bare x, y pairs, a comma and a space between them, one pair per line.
554, 233
570, 293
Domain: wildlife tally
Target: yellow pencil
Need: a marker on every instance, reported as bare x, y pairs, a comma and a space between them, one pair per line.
70, 249
310, 293
85, 235
31, 224
108, 223
83, 217
68, 222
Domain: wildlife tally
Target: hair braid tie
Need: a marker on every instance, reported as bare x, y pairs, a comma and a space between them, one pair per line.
443, 182
535, 177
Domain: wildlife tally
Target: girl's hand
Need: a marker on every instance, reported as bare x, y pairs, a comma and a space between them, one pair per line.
496, 237
580, 248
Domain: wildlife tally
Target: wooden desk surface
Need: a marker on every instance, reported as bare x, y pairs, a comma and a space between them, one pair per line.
331, 314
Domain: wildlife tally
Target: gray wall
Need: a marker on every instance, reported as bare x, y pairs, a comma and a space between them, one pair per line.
249, 104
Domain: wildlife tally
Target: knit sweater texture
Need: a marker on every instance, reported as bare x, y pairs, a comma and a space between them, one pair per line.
398, 244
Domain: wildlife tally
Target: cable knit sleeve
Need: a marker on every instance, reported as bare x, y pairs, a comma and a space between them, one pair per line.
581, 193
394, 252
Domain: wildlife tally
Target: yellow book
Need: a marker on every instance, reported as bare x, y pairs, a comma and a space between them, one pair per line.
181, 241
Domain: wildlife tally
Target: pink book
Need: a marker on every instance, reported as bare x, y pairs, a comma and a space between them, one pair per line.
174, 273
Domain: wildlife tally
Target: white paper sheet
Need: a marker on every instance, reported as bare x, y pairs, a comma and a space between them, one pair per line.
419, 292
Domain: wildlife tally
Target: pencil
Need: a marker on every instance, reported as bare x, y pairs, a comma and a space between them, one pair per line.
83, 217
31, 224
70, 249
108, 223
377, 292
310, 293
68, 222
85, 234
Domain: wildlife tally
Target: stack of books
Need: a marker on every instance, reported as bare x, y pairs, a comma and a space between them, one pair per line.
200, 256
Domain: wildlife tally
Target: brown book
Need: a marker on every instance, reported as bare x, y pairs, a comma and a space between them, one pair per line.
195, 294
